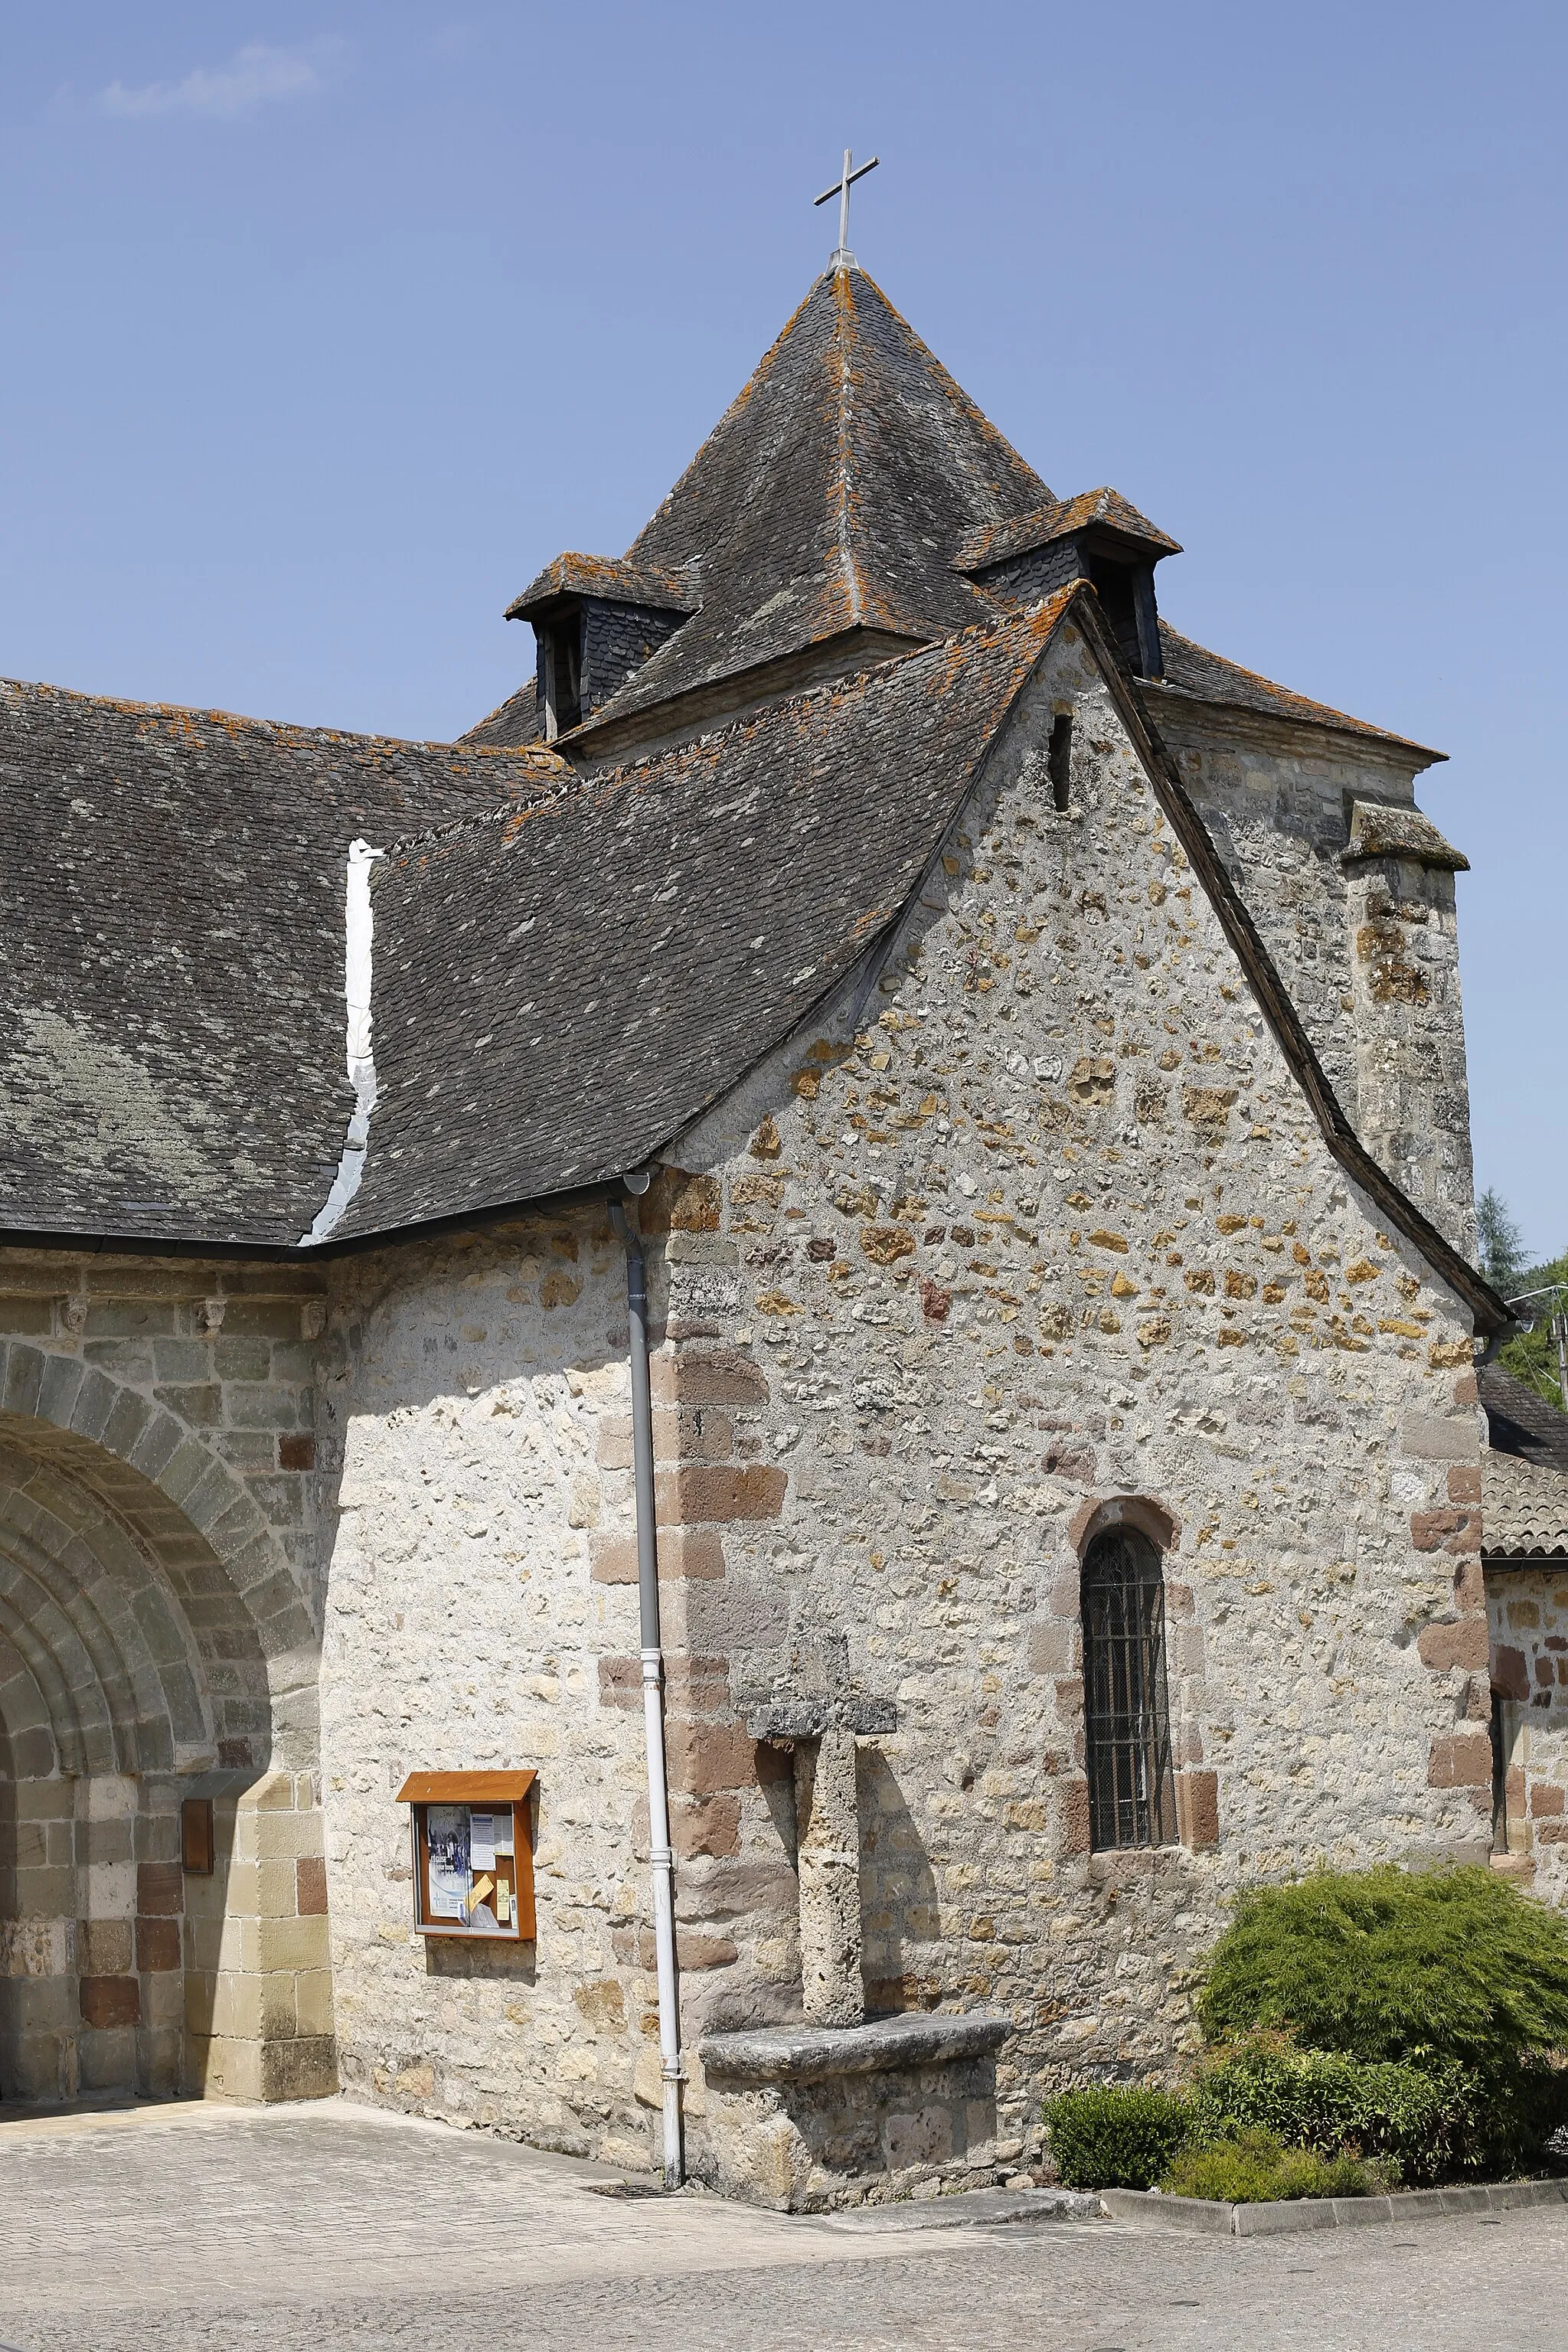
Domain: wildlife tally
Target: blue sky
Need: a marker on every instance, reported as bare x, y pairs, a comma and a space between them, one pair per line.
327, 326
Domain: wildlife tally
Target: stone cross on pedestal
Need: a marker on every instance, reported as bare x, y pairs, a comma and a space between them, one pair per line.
813, 1709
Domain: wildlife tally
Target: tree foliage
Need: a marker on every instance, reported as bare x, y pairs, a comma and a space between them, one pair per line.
1532, 1358
1500, 1244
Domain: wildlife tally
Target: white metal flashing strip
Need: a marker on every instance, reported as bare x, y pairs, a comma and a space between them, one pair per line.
358, 930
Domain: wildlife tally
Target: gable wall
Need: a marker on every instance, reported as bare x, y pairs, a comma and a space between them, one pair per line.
1044, 1222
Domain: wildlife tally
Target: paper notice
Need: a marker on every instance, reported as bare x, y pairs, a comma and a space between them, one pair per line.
482, 1887
483, 1833
504, 1830
446, 1832
503, 1904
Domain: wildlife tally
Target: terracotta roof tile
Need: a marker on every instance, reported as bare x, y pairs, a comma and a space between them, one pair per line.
1525, 1509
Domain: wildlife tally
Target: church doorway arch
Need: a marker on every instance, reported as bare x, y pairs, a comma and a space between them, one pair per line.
152, 1650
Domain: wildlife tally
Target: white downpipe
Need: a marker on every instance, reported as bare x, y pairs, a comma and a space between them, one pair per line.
359, 926
661, 1853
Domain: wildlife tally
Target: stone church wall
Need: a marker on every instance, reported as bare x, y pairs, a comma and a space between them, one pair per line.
473, 1401
1528, 1605
1034, 1230
160, 1601
1040, 1224
1370, 954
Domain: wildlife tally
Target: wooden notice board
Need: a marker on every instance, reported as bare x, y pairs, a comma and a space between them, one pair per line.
473, 1854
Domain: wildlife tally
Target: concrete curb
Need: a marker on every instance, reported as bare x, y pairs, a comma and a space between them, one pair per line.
1147, 2210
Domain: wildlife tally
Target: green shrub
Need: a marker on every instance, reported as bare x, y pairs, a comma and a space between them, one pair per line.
1453, 1972
1417, 2122
1256, 2168
1115, 2135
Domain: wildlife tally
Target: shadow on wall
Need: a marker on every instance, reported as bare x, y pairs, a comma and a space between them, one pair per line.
900, 1915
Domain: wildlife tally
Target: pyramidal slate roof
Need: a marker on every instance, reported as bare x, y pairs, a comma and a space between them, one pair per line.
830, 498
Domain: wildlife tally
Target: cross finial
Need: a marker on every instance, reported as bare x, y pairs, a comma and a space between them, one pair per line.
843, 258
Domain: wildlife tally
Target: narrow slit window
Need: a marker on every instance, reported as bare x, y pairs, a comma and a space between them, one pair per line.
1499, 1772
1058, 759
1132, 1789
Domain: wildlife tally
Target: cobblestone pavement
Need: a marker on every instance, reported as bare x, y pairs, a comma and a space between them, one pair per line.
211, 2229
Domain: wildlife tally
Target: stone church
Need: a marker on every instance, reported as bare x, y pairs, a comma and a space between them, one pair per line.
714, 1405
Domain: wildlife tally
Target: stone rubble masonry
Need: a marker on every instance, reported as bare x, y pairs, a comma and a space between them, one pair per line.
1369, 951
1034, 1227
1037, 1221
1528, 1609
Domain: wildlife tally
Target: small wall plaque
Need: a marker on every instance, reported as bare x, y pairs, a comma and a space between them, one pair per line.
473, 1854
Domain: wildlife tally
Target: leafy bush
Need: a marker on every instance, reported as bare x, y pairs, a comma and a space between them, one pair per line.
1417, 2121
1453, 1972
1256, 2166
1115, 2135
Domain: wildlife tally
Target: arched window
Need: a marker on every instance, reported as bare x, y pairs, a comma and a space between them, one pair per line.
1131, 1793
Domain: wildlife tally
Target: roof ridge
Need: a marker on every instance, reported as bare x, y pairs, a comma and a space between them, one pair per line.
285, 728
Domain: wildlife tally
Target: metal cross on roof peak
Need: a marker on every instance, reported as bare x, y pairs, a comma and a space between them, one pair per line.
843, 258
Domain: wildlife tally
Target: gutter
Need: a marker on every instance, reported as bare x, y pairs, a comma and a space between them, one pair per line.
661, 1853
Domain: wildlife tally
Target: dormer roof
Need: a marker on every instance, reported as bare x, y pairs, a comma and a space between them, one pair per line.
609, 579
1107, 510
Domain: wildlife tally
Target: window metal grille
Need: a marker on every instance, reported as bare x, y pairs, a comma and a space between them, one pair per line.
1132, 1791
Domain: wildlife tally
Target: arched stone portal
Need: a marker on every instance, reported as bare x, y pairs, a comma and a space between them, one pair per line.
153, 1647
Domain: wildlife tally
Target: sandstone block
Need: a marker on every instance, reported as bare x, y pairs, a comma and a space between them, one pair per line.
103, 1947
160, 1889
1073, 1816
1431, 1438
1463, 1643
1461, 1760
705, 1757
691, 1376
719, 1494
1197, 1809
108, 2001
157, 1944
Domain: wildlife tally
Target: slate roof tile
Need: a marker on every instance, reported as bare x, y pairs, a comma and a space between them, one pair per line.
1520, 1422
996, 543
628, 947
172, 954
1192, 670
831, 497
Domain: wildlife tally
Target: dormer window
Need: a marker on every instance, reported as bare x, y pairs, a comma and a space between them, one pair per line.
561, 658
1126, 592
